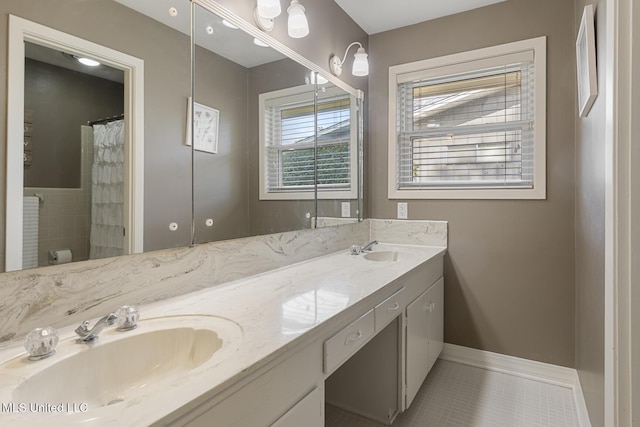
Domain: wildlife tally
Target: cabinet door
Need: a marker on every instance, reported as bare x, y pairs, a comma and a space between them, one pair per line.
309, 412
417, 342
435, 297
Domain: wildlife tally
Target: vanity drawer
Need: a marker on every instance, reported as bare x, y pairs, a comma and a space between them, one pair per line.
345, 343
389, 309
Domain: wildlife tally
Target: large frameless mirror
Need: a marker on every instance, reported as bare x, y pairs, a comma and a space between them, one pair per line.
96, 164
276, 144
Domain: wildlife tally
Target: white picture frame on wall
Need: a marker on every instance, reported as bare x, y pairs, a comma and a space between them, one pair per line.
587, 78
205, 121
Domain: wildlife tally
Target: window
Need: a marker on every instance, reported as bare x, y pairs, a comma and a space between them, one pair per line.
287, 122
470, 125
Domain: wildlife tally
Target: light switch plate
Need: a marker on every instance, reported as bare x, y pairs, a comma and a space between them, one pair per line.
403, 210
346, 209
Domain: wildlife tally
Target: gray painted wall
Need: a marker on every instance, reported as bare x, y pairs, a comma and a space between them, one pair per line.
590, 232
510, 269
220, 184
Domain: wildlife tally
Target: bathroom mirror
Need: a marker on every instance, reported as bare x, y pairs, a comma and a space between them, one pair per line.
148, 32
266, 113
158, 172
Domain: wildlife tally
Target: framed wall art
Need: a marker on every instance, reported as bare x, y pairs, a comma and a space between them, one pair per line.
586, 63
205, 123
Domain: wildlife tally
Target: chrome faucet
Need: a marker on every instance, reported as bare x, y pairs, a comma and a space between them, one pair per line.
357, 250
88, 335
368, 246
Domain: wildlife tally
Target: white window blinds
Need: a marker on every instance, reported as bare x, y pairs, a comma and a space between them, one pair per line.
473, 129
289, 142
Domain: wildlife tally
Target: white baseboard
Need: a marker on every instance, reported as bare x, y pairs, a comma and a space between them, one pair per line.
530, 369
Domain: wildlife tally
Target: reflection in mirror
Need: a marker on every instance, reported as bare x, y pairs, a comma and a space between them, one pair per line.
271, 133
153, 61
231, 71
63, 205
338, 168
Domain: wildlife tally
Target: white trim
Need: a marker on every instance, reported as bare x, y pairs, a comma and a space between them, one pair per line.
611, 349
524, 368
436, 66
622, 198
21, 30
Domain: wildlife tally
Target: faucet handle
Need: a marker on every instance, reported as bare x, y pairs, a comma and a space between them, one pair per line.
41, 343
127, 317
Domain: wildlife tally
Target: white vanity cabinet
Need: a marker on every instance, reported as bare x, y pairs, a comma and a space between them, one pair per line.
280, 395
424, 337
309, 412
383, 377
370, 359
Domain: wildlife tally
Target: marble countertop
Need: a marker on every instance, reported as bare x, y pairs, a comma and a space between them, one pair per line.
276, 311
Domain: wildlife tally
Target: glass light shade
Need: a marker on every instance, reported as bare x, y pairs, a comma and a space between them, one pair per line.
360, 63
269, 8
298, 26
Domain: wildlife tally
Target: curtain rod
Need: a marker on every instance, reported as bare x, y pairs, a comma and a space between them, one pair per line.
107, 120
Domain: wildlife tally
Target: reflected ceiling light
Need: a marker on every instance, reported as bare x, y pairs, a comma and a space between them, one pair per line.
209, 30
360, 62
228, 24
260, 43
88, 62
269, 8
297, 24
314, 78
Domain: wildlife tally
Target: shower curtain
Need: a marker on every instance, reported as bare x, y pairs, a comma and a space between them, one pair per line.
107, 191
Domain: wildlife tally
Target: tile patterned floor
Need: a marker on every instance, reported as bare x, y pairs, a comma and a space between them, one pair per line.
456, 395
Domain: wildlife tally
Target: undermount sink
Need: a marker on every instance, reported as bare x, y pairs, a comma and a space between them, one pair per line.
385, 256
122, 365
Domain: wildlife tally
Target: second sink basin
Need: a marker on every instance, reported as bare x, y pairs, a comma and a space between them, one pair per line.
122, 365
385, 256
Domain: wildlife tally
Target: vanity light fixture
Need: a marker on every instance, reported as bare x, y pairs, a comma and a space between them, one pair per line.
360, 62
297, 25
269, 9
264, 23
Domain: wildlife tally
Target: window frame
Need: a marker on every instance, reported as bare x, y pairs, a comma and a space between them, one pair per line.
295, 94
463, 62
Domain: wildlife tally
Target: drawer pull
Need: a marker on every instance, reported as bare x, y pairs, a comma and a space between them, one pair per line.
394, 308
353, 338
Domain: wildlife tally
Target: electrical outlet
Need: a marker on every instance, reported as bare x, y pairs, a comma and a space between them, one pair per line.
346, 209
403, 210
